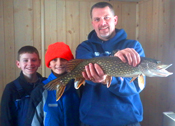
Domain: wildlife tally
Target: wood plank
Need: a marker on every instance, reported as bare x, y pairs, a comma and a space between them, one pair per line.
61, 21
10, 65
129, 19
85, 20
2, 50
73, 27
50, 25
36, 5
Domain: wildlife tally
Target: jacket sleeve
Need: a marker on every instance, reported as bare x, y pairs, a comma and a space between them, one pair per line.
8, 114
35, 112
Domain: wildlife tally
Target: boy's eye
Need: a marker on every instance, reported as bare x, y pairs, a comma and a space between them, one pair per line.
54, 60
34, 60
63, 60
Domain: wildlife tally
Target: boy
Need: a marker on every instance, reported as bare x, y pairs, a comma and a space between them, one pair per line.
49, 112
16, 95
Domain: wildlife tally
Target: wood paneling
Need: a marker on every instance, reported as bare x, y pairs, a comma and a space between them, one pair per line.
156, 30
42, 22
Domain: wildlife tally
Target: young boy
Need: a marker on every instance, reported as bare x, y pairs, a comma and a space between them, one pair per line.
48, 111
16, 95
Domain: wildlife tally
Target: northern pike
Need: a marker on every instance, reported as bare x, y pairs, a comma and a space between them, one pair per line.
112, 67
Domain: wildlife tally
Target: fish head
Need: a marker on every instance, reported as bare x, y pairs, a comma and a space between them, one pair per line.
154, 68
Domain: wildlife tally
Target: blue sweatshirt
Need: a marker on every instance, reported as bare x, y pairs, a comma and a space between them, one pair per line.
119, 104
48, 111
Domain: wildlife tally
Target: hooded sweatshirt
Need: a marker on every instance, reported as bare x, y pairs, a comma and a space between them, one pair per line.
118, 105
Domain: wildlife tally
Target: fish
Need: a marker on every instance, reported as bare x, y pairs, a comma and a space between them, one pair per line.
112, 67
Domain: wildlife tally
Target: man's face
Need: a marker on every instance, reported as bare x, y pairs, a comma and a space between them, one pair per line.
103, 22
58, 65
28, 63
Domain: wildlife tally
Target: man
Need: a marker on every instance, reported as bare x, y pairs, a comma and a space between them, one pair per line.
120, 104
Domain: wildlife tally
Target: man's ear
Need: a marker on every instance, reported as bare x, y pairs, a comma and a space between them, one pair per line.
116, 19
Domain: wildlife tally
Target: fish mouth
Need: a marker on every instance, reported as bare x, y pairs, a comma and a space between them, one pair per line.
163, 66
161, 71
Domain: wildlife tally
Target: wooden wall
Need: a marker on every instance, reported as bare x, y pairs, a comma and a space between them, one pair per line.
157, 35
42, 22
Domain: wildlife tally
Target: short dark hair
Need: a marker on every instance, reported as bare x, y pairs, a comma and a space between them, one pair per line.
102, 5
27, 49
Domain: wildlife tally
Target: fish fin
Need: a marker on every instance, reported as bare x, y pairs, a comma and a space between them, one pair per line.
133, 79
59, 92
108, 80
141, 81
60, 81
78, 82
72, 64
52, 85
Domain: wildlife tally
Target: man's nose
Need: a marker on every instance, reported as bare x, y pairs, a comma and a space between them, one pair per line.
102, 22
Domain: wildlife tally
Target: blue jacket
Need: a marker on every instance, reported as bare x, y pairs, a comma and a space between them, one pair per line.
119, 104
48, 111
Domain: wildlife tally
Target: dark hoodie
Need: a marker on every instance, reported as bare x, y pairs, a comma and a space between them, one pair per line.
119, 104
15, 100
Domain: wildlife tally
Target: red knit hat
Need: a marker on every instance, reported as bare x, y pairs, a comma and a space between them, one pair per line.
58, 50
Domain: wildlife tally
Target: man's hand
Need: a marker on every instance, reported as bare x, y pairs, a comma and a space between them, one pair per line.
129, 55
94, 72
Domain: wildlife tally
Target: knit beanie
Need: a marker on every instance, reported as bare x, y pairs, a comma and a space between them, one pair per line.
58, 50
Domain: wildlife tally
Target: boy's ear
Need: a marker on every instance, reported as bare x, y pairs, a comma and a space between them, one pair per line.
17, 64
39, 62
